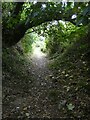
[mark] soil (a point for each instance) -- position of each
(30, 101)
(38, 94)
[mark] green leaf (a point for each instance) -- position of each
(70, 106)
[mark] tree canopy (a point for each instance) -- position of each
(21, 16)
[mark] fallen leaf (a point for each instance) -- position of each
(27, 114)
(25, 108)
(70, 106)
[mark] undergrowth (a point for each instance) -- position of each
(71, 71)
(72, 66)
(15, 65)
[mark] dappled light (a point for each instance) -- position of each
(37, 47)
(38, 53)
(46, 60)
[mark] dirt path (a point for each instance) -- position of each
(41, 86)
(26, 99)
(40, 94)
(40, 69)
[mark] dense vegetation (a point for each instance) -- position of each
(66, 30)
(19, 17)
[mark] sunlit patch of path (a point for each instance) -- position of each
(40, 65)
(41, 85)
(36, 103)
(37, 53)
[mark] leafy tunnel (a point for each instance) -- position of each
(21, 16)
(45, 60)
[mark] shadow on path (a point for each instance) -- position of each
(30, 99)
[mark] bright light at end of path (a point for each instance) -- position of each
(37, 53)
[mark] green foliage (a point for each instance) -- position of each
(26, 11)
(14, 68)
(27, 42)
(7, 8)
(12, 60)
(70, 106)
(9, 20)
(62, 35)
(73, 66)
(19, 17)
